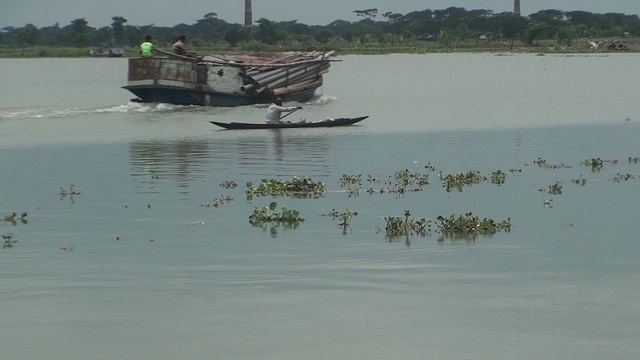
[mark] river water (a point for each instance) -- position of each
(157, 272)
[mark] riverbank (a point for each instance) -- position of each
(579, 46)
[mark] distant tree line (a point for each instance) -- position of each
(448, 26)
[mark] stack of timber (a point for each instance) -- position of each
(227, 80)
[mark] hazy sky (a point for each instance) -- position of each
(98, 13)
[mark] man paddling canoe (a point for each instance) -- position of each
(275, 110)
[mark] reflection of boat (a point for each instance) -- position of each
(105, 50)
(230, 80)
(285, 125)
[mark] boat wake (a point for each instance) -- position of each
(131, 107)
(323, 100)
(320, 100)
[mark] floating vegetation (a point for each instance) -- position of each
(457, 181)
(344, 217)
(547, 203)
(372, 179)
(219, 201)
(595, 164)
(542, 163)
(430, 167)
(634, 160)
(400, 182)
(299, 187)
(555, 189)
(355, 192)
(9, 241)
(397, 226)
(14, 218)
(70, 193)
(228, 184)
(405, 178)
(347, 180)
(469, 226)
(579, 181)
(263, 216)
(624, 177)
(515, 171)
(498, 177)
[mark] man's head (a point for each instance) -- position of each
(182, 38)
(278, 101)
(148, 38)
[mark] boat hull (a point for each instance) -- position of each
(295, 125)
(182, 96)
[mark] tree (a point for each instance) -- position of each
(324, 36)
(211, 15)
(535, 31)
(392, 17)
(234, 35)
(80, 32)
(118, 28)
(507, 24)
(28, 36)
(367, 14)
(268, 32)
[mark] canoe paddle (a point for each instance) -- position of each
(290, 112)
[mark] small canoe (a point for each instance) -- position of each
(292, 125)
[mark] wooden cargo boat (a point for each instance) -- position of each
(231, 80)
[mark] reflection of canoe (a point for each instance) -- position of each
(302, 124)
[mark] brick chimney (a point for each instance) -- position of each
(248, 15)
(516, 7)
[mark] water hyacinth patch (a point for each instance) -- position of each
(300, 187)
(263, 216)
(344, 217)
(469, 226)
(396, 226)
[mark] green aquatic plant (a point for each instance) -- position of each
(596, 164)
(430, 167)
(634, 160)
(344, 217)
(347, 180)
(263, 216)
(405, 178)
(469, 226)
(401, 182)
(299, 187)
(396, 226)
(542, 163)
(555, 189)
(457, 181)
(70, 193)
(9, 241)
(225, 199)
(498, 177)
(579, 181)
(229, 184)
(13, 217)
(624, 177)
